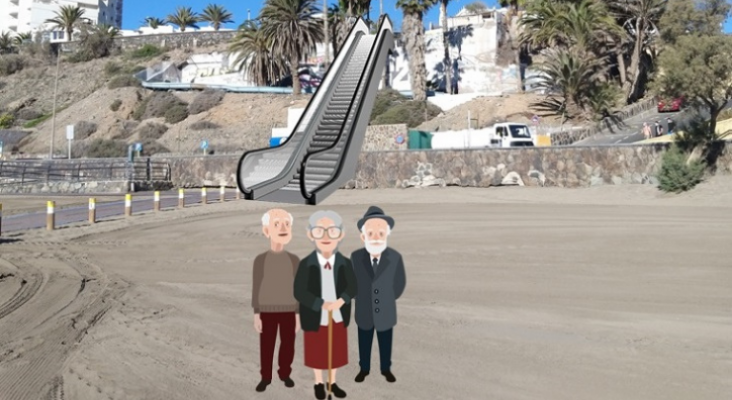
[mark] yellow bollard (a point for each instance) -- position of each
(50, 215)
(92, 210)
(181, 198)
(156, 199)
(222, 194)
(203, 196)
(128, 205)
(238, 194)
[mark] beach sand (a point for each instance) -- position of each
(613, 292)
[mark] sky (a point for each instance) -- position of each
(135, 11)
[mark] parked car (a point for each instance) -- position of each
(672, 105)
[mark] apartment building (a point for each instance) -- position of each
(20, 16)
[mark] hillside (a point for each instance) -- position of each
(233, 123)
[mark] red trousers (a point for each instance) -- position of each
(271, 322)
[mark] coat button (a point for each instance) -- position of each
(376, 291)
(376, 301)
(377, 310)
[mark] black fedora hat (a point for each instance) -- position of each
(375, 212)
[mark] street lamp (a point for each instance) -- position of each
(55, 93)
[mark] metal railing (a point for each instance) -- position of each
(83, 170)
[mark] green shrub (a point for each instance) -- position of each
(7, 121)
(11, 63)
(150, 147)
(676, 175)
(106, 148)
(203, 125)
(123, 81)
(28, 114)
(116, 104)
(412, 113)
(176, 114)
(125, 129)
(157, 105)
(205, 101)
(385, 99)
(112, 68)
(152, 131)
(84, 129)
(146, 51)
(35, 122)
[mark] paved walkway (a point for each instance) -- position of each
(74, 214)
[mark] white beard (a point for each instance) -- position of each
(375, 246)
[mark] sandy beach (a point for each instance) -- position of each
(611, 292)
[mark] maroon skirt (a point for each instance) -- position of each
(316, 347)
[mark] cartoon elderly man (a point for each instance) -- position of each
(325, 282)
(381, 281)
(275, 307)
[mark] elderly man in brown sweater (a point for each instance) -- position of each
(273, 300)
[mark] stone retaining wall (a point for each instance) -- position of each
(66, 187)
(168, 40)
(539, 166)
(383, 137)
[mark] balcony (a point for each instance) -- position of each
(14, 14)
(15, 2)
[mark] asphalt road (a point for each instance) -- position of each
(75, 214)
(631, 130)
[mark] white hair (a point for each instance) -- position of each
(265, 219)
(331, 215)
(388, 230)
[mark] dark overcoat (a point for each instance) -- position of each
(377, 293)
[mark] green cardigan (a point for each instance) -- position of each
(308, 289)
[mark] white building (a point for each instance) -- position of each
(21, 16)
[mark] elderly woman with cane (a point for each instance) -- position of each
(324, 286)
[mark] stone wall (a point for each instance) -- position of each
(383, 137)
(169, 40)
(539, 166)
(66, 187)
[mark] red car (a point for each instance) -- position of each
(670, 106)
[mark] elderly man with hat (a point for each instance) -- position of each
(381, 280)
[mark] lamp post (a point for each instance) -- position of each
(55, 93)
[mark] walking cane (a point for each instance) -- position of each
(330, 352)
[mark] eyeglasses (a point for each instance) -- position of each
(318, 232)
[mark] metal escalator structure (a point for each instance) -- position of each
(322, 152)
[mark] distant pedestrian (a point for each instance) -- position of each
(659, 128)
(646, 130)
(671, 126)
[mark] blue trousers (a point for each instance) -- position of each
(366, 339)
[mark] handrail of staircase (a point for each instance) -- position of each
(384, 25)
(328, 83)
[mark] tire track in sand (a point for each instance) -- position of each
(35, 359)
(32, 280)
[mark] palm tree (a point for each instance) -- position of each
(216, 15)
(254, 56)
(183, 18)
(154, 22)
(446, 44)
(294, 31)
(336, 18)
(22, 37)
(639, 18)
(413, 33)
(6, 43)
(66, 18)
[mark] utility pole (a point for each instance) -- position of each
(55, 93)
(249, 15)
(326, 43)
(381, 8)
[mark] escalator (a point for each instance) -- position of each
(322, 152)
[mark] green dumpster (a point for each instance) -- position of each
(419, 140)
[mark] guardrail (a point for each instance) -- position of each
(18, 172)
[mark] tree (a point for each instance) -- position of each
(699, 68)
(95, 41)
(294, 31)
(447, 64)
(476, 7)
(7, 45)
(183, 18)
(20, 38)
(413, 34)
(216, 15)
(154, 22)
(67, 17)
(255, 57)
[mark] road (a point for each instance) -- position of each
(75, 214)
(631, 131)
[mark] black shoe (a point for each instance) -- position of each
(337, 392)
(288, 382)
(389, 376)
(361, 376)
(320, 391)
(263, 385)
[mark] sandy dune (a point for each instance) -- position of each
(512, 293)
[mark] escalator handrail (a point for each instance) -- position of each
(289, 165)
(371, 63)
